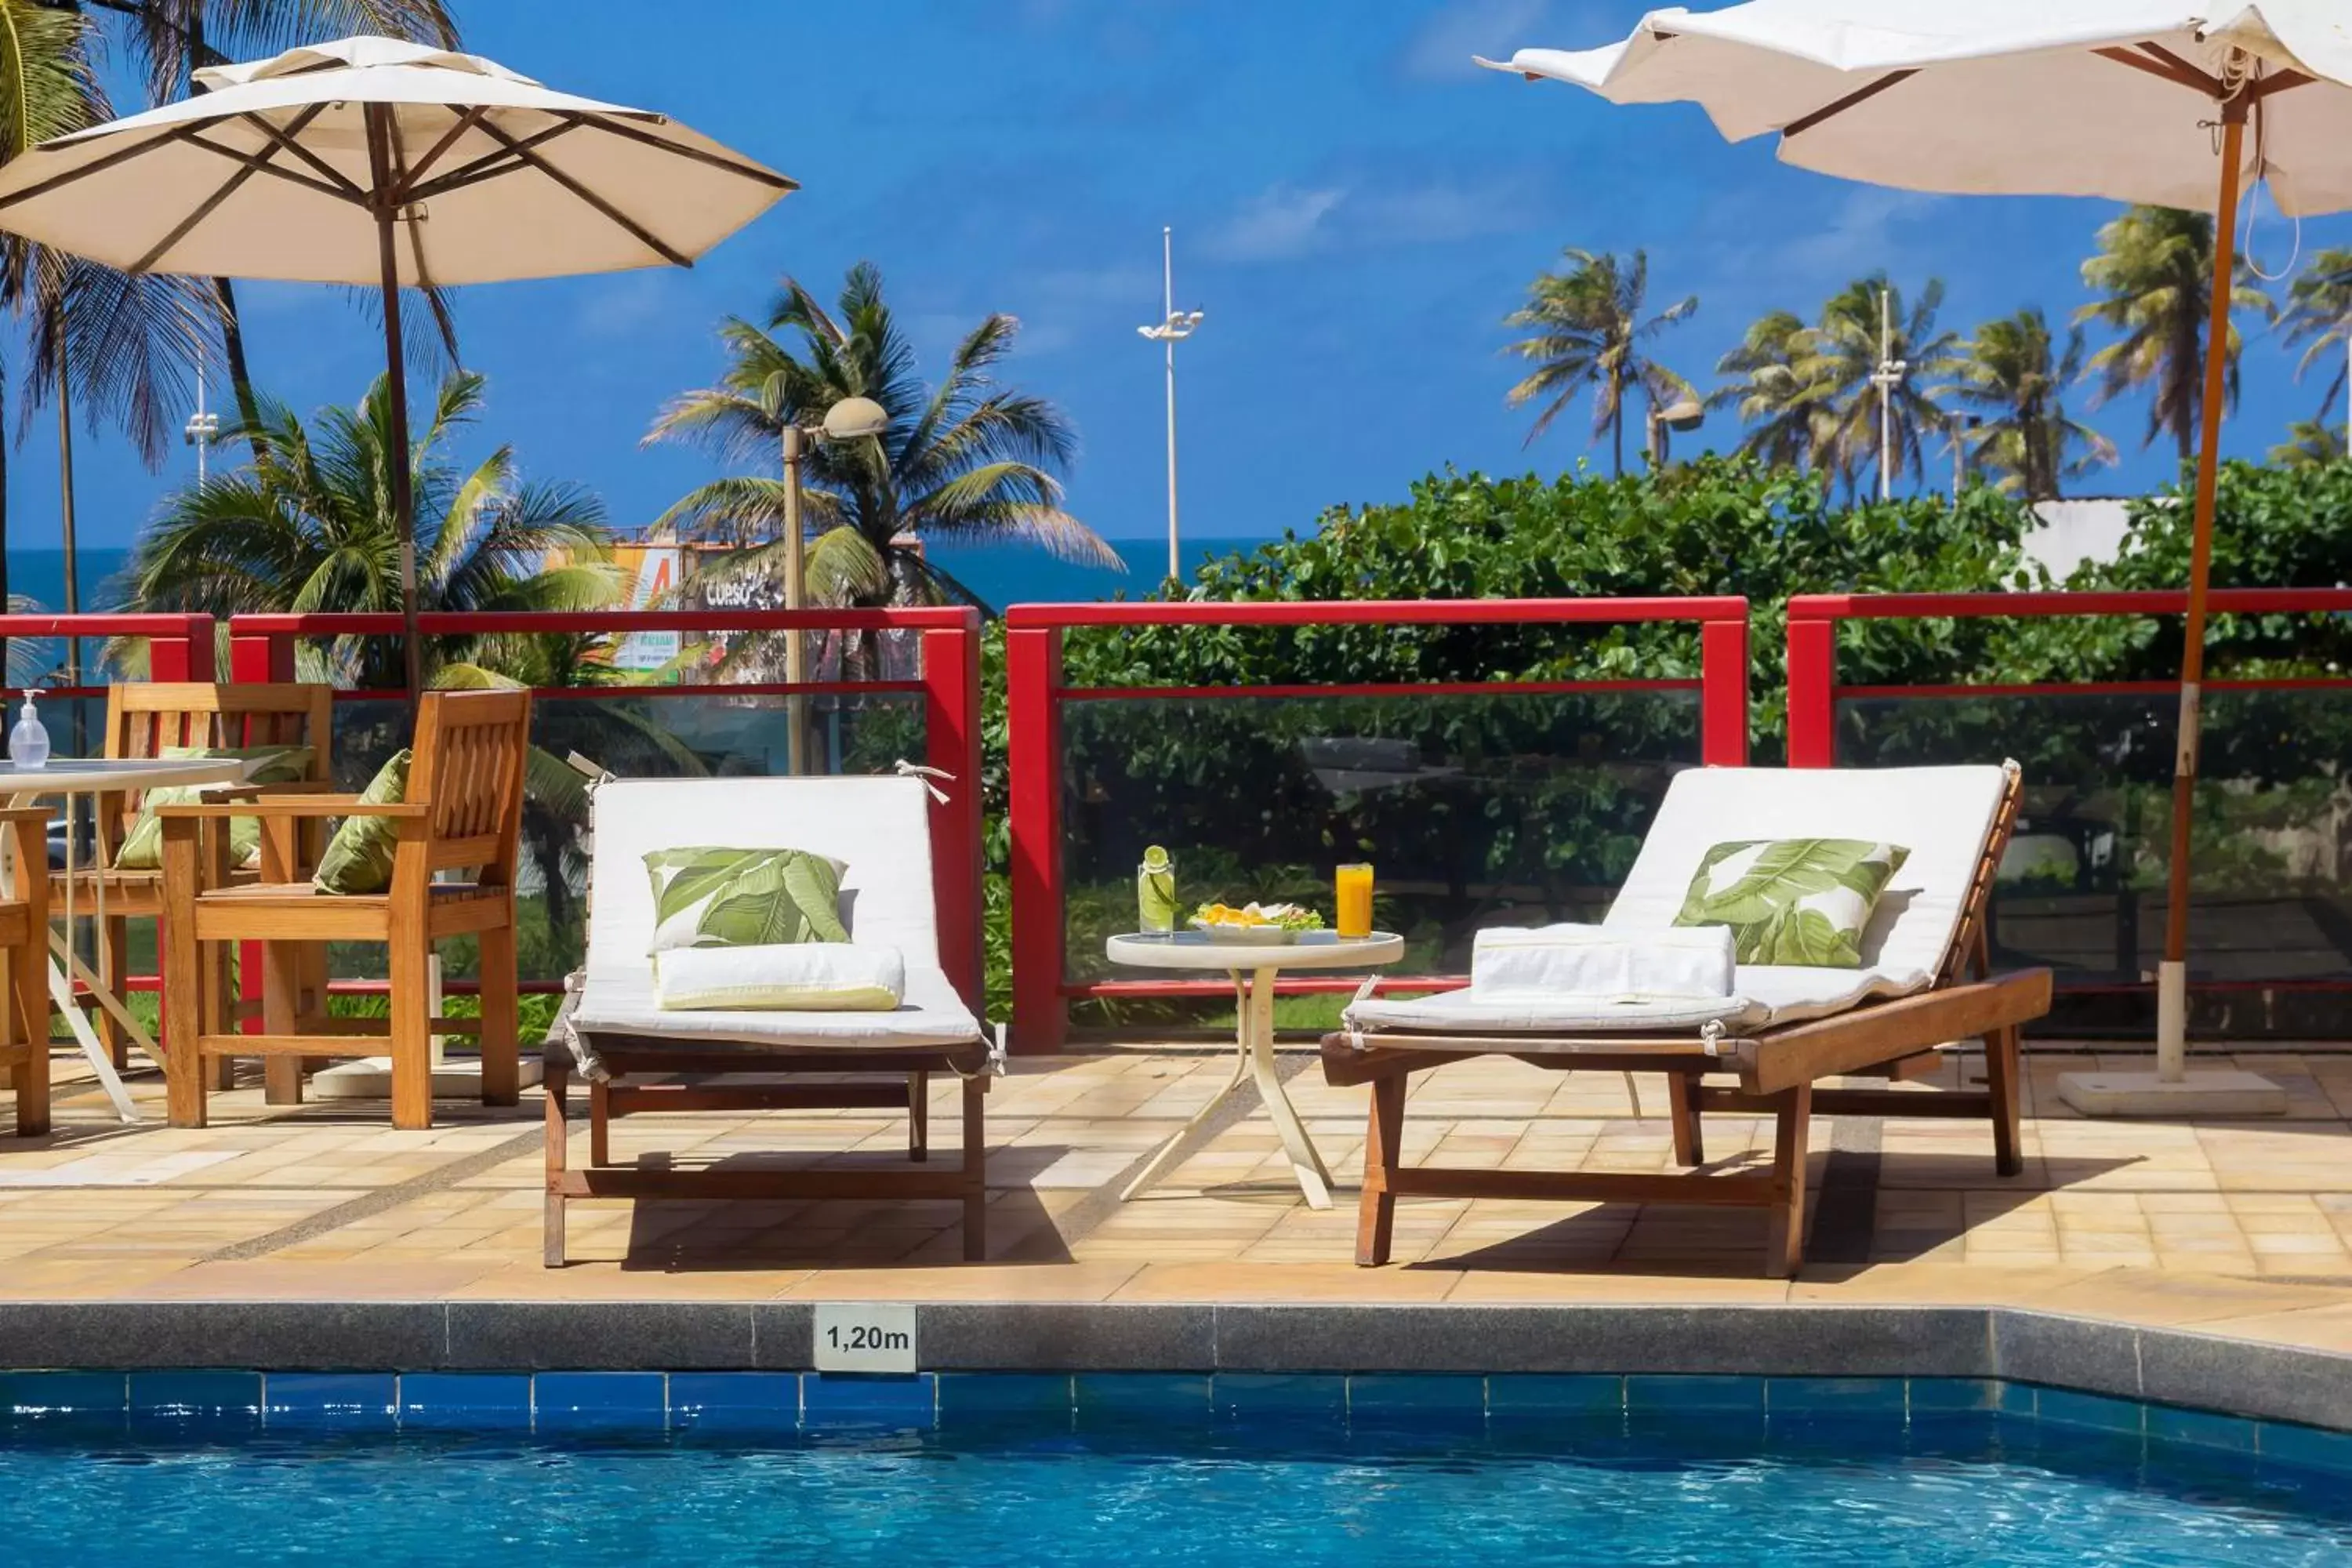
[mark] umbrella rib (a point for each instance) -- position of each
(248, 165)
(305, 181)
(285, 139)
(768, 177)
(643, 235)
(465, 122)
(96, 166)
(490, 165)
(2164, 66)
(1804, 123)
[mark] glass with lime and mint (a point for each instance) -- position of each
(1155, 893)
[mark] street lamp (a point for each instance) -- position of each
(202, 428)
(1685, 415)
(851, 419)
(1963, 430)
(1173, 328)
(1886, 378)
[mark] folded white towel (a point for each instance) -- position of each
(803, 976)
(1681, 962)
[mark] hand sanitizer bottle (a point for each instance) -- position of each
(28, 742)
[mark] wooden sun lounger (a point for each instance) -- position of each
(1778, 1069)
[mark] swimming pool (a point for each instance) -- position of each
(1049, 1470)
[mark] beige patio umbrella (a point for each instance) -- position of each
(378, 163)
(2172, 102)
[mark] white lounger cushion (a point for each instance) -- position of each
(799, 976)
(879, 827)
(1942, 815)
(1689, 964)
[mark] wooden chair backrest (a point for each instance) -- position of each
(471, 749)
(146, 717)
(1971, 943)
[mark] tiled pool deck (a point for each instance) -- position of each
(2236, 1232)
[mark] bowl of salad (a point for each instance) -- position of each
(1256, 925)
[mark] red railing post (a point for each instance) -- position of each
(258, 657)
(185, 653)
(1723, 693)
(1032, 680)
(952, 744)
(1812, 689)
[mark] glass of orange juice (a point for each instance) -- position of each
(1352, 894)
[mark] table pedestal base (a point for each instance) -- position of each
(1254, 1060)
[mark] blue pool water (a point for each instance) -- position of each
(1029, 1493)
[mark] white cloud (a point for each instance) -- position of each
(1281, 221)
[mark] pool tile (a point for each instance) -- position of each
(465, 1399)
(1244, 1396)
(1841, 1396)
(339, 1398)
(1154, 1398)
(1952, 1395)
(562, 1400)
(2203, 1429)
(198, 1393)
(2305, 1448)
(735, 1401)
(1644, 1392)
(40, 1393)
(2066, 1407)
(1417, 1402)
(1538, 1393)
(2020, 1399)
(846, 1400)
(1004, 1393)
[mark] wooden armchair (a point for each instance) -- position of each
(142, 720)
(25, 939)
(463, 813)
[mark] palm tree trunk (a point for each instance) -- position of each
(240, 377)
(1617, 435)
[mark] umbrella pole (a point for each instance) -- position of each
(2172, 976)
(384, 198)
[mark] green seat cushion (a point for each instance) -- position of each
(142, 847)
(1792, 900)
(704, 896)
(359, 857)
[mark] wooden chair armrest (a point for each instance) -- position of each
(292, 805)
(33, 814)
(212, 793)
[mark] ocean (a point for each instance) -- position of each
(1000, 577)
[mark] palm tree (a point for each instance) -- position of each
(2155, 266)
(2027, 439)
(1839, 359)
(307, 524)
(1785, 414)
(165, 42)
(968, 461)
(2319, 315)
(1588, 330)
(2310, 444)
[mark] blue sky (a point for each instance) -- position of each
(1355, 208)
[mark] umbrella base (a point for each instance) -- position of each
(2227, 1092)
(371, 1078)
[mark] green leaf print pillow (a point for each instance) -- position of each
(709, 897)
(1792, 900)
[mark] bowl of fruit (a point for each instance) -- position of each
(1256, 925)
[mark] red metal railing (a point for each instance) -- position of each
(262, 647)
(1035, 693)
(1814, 691)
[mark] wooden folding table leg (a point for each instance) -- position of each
(551, 1228)
(113, 963)
(975, 1168)
(918, 1116)
(1784, 1246)
(281, 980)
(1682, 1108)
(2003, 1067)
(1383, 1142)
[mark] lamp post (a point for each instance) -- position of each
(1683, 414)
(1962, 428)
(1173, 328)
(203, 429)
(1886, 378)
(851, 419)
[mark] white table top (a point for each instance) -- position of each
(1313, 949)
(83, 775)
